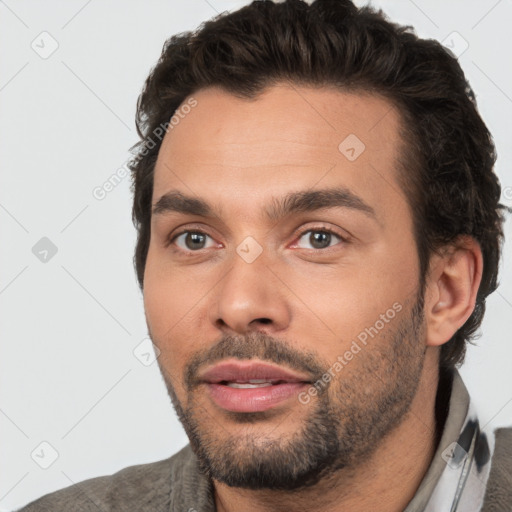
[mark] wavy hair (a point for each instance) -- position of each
(448, 156)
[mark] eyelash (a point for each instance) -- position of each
(322, 229)
(297, 236)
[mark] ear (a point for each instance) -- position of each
(451, 288)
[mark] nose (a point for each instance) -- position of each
(250, 297)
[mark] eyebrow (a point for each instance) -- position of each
(293, 202)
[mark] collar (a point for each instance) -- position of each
(457, 476)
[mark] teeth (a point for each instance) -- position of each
(251, 384)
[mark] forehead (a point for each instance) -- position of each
(287, 137)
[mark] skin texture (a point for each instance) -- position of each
(366, 441)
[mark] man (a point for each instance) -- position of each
(318, 229)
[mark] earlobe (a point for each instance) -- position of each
(452, 286)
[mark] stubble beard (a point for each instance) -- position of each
(345, 425)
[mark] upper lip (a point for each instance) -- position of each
(243, 371)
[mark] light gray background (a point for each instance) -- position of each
(68, 375)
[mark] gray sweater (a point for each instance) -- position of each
(477, 476)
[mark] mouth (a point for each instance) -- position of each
(250, 386)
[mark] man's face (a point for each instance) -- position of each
(266, 279)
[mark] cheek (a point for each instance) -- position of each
(171, 295)
(175, 303)
(166, 306)
(338, 303)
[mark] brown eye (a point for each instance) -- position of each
(318, 239)
(192, 240)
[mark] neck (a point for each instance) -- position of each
(387, 481)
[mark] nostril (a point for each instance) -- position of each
(264, 320)
(221, 323)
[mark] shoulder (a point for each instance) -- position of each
(143, 487)
(498, 494)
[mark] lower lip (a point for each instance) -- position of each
(253, 399)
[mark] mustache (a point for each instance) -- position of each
(254, 346)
